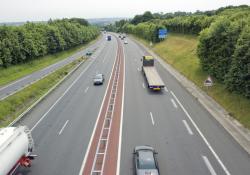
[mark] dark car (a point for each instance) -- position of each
(98, 79)
(145, 161)
(88, 53)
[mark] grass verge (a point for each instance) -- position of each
(14, 105)
(180, 51)
(15, 72)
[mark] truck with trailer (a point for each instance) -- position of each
(153, 79)
(16, 146)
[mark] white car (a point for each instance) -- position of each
(125, 42)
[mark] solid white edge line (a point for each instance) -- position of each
(202, 136)
(4, 87)
(65, 124)
(121, 122)
(65, 92)
(152, 118)
(42, 97)
(97, 119)
(187, 127)
(173, 102)
(209, 166)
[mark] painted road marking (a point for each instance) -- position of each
(65, 124)
(111, 111)
(65, 92)
(86, 90)
(166, 89)
(14, 82)
(187, 127)
(174, 104)
(202, 136)
(138, 69)
(97, 120)
(121, 122)
(209, 166)
(143, 85)
(152, 118)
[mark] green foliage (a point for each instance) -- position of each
(224, 49)
(188, 24)
(238, 78)
(147, 16)
(14, 105)
(148, 30)
(21, 44)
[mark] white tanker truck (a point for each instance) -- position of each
(16, 145)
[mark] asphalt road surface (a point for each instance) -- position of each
(189, 141)
(19, 84)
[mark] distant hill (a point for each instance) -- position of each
(19, 23)
(93, 21)
(103, 21)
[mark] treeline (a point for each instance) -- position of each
(148, 31)
(19, 44)
(224, 50)
(188, 24)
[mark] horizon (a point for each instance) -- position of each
(26, 10)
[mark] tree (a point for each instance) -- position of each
(238, 78)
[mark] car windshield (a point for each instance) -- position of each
(98, 76)
(146, 160)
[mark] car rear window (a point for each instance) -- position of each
(146, 160)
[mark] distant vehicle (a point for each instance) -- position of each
(125, 42)
(89, 53)
(119, 36)
(16, 145)
(109, 37)
(98, 79)
(153, 79)
(145, 162)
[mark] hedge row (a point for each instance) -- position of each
(224, 51)
(148, 30)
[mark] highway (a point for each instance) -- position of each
(25, 81)
(189, 141)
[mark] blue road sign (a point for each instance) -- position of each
(162, 33)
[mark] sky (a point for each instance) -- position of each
(42, 10)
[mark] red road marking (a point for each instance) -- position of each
(103, 152)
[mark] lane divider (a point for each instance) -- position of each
(187, 127)
(209, 166)
(202, 136)
(152, 118)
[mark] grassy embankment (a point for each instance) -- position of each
(15, 72)
(14, 105)
(180, 52)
